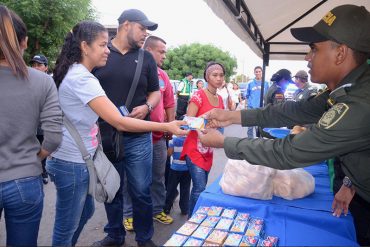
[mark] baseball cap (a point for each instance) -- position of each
(40, 59)
(301, 74)
(135, 15)
(345, 24)
(282, 74)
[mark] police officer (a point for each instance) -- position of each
(280, 80)
(183, 95)
(340, 46)
(304, 91)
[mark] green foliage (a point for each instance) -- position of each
(48, 22)
(242, 78)
(194, 57)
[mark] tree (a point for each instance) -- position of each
(242, 78)
(194, 57)
(48, 22)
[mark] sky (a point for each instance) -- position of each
(189, 21)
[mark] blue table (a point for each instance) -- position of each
(306, 221)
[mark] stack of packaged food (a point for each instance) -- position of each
(215, 226)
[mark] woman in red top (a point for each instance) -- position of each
(199, 158)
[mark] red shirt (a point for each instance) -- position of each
(167, 101)
(200, 155)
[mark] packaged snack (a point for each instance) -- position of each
(215, 211)
(242, 216)
(239, 226)
(224, 224)
(193, 242)
(176, 240)
(202, 232)
(197, 218)
(268, 241)
(233, 239)
(210, 221)
(187, 229)
(195, 123)
(249, 241)
(217, 237)
(256, 221)
(255, 230)
(209, 244)
(229, 213)
(202, 210)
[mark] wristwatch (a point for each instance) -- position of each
(150, 107)
(347, 182)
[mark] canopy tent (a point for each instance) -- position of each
(264, 25)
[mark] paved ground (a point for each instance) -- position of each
(93, 230)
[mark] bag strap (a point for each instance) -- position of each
(76, 136)
(136, 78)
(85, 154)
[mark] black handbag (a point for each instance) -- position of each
(112, 139)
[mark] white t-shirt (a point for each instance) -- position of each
(224, 95)
(77, 89)
(235, 95)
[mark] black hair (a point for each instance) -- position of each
(19, 26)
(151, 40)
(71, 52)
(210, 64)
(258, 67)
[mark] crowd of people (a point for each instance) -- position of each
(93, 78)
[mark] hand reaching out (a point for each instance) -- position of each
(342, 199)
(211, 138)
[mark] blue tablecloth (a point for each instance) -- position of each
(307, 221)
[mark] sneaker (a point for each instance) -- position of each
(163, 218)
(108, 241)
(128, 224)
(148, 243)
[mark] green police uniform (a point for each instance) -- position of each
(304, 93)
(342, 129)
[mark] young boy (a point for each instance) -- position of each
(178, 174)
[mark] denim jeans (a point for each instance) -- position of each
(74, 207)
(252, 132)
(22, 201)
(199, 177)
(137, 164)
(158, 189)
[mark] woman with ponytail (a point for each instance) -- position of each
(27, 98)
(83, 101)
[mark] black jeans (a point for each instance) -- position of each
(182, 105)
(174, 178)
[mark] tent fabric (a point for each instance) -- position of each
(271, 16)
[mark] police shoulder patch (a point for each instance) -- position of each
(333, 115)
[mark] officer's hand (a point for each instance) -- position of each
(297, 129)
(139, 112)
(221, 118)
(342, 199)
(211, 138)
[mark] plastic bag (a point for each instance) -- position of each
(240, 178)
(293, 184)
